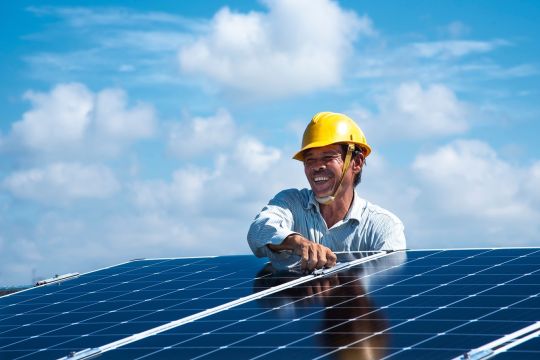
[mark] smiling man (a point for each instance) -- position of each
(307, 226)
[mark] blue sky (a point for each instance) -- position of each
(159, 129)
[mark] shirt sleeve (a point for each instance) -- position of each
(392, 235)
(271, 226)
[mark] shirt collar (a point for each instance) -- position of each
(355, 211)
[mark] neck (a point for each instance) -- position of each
(337, 209)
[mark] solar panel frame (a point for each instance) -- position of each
(464, 284)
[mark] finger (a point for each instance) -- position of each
(322, 260)
(312, 262)
(305, 258)
(331, 259)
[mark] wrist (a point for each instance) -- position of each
(289, 243)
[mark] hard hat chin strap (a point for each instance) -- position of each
(325, 200)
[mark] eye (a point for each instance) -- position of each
(329, 158)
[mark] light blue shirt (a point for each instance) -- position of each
(366, 227)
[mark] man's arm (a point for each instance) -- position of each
(272, 233)
(313, 256)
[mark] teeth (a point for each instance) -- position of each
(320, 178)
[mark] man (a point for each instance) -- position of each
(307, 226)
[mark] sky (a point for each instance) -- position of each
(160, 128)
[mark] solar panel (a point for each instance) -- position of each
(117, 302)
(436, 304)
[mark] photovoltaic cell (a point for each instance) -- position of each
(429, 304)
(110, 304)
(424, 305)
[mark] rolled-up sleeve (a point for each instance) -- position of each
(272, 225)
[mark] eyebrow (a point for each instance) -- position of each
(331, 152)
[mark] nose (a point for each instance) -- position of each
(316, 164)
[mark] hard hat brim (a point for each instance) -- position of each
(300, 154)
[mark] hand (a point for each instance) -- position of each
(313, 255)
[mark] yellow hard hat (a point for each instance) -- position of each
(328, 128)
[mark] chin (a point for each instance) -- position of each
(320, 195)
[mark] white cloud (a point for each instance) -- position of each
(296, 47)
(412, 111)
(72, 118)
(532, 183)
(455, 48)
(185, 189)
(475, 197)
(60, 183)
(60, 118)
(202, 136)
(236, 172)
(255, 156)
(475, 165)
(462, 194)
(114, 120)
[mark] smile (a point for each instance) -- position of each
(320, 178)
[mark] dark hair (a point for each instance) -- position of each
(357, 151)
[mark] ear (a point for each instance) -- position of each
(357, 163)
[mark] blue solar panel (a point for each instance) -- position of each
(430, 304)
(116, 302)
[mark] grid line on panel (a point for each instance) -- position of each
(393, 290)
(287, 284)
(270, 329)
(449, 304)
(98, 315)
(79, 285)
(232, 344)
(128, 270)
(83, 294)
(428, 290)
(480, 292)
(123, 307)
(366, 314)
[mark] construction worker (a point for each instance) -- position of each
(305, 227)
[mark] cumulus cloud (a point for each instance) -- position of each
(185, 189)
(474, 195)
(295, 47)
(255, 156)
(532, 183)
(476, 165)
(114, 120)
(239, 170)
(71, 117)
(461, 194)
(60, 183)
(201, 136)
(59, 118)
(413, 111)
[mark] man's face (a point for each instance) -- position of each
(323, 167)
